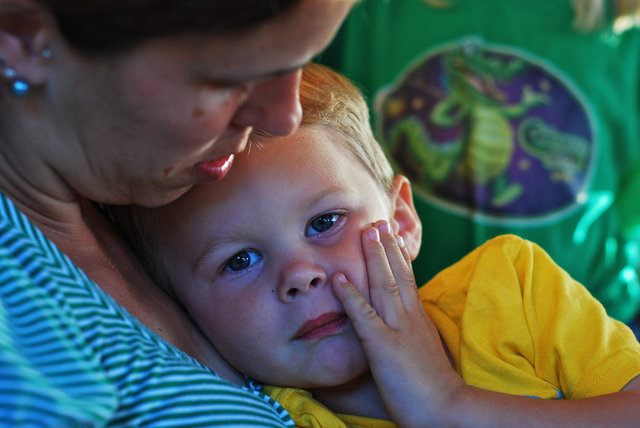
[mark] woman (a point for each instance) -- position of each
(127, 102)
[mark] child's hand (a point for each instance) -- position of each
(403, 347)
(411, 369)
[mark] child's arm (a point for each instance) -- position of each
(415, 378)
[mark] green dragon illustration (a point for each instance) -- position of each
(475, 104)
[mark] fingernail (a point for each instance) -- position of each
(373, 234)
(385, 227)
(400, 241)
(341, 278)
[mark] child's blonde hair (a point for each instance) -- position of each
(329, 99)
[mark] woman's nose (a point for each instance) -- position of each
(298, 279)
(273, 105)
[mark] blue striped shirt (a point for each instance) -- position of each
(71, 356)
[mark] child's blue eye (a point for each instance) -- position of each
(322, 224)
(243, 260)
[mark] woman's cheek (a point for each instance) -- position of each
(218, 108)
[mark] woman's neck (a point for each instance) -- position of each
(359, 397)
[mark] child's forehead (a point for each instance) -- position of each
(318, 141)
(310, 145)
(314, 158)
(294, 169)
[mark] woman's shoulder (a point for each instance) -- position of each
(71, 353)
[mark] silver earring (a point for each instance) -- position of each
(20, 88)
(9, 73)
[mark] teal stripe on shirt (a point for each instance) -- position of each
(69, 355)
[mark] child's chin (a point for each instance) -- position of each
(344, 371)
(342, 382)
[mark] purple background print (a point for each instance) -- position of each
(545, 187)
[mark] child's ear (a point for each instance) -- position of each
(405, 220)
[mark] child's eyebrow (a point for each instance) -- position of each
(325, 194)
(220, 241)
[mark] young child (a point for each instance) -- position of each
(267, 268)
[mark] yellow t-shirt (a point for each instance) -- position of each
(514, 322)
(309, 413)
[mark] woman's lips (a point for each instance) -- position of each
(215, 169)
(321, 326)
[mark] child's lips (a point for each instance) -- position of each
(215, 169)
(321, 326)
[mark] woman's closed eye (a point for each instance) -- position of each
(322, 223)
(242, 260)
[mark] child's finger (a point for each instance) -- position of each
(400, 265)
(383, 289)
(366, 322)
(405, 252)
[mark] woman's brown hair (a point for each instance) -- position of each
(105, 26)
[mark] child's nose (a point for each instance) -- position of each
(299, 278)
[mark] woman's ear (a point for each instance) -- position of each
(405, 220)
(25, 26)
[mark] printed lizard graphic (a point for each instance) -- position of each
(474, 103)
